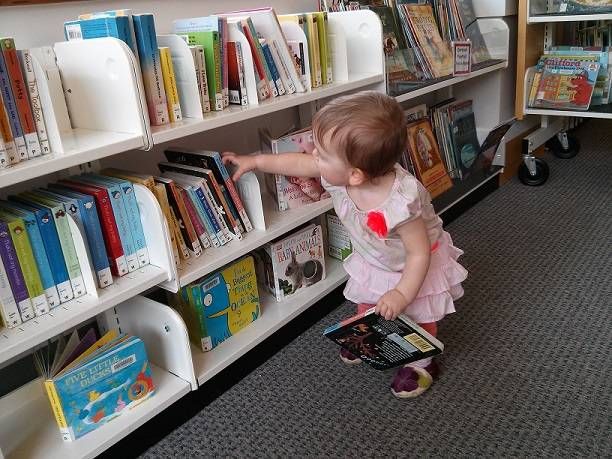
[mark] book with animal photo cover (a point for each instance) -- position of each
(382, 343)
(426, 159)
(292, 263)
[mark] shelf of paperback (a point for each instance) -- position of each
(80, 146)
(548, 18)
(597, 111)
(235, 114)
(277, 224)
(273, 316)
(15, 341)
(29, 430)
(427, 87)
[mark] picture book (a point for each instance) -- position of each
(384, 343)
(294, 262)
(292, 192)
(220, 305)
(339, 243)
(90, 383)
(426, 159)
(463, 136)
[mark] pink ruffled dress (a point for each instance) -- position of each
(378, 257)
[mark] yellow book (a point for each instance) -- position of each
(172, 96)
(324, 51)
(313, 50)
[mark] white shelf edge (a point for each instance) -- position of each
(29, 429)
(548, 18)
(273, 316)
(82, 146)
(235, 114)
(277, 224)
(450, 82)
(592, 113)
(16, 341)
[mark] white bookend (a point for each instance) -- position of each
(250, 193)
(185, 72)
(85, 264)
(249, 67)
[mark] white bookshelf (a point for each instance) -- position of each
(274, 315)
(552, 18)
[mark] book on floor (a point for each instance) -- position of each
(384, 343)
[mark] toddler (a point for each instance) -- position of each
(402, 260)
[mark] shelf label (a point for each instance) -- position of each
(462, 58)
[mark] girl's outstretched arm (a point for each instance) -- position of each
(290, 164)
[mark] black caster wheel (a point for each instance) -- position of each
(540, 176)
(557, 149)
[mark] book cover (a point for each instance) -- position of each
(567, 84)
(293, 262)
(190, 200)
(161, 193)
(314, 52)
(338, 238)
(222, 304)
(12, 112)
(292, 192)
(426, 159)
(172, 95)
(384, 343)
(464, 137)
(98, 27)
(236, 78)
(117, 13)
(37, 111)
(197, 51)
(279, 87)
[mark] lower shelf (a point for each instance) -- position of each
(462, 188)
(273, 316)
(28, 428)
(597, 111)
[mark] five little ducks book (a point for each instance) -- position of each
(91, 382)
(384, 343)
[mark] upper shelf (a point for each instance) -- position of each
(547, 18)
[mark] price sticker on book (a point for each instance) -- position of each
(462, 58)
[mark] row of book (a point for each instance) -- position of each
(40, 266)
(283, 62)
(570, 6)
(23, 133)
(91, 381)
(572, 78)
(417, 34)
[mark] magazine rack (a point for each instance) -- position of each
(537, 29)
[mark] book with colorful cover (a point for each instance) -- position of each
(464, 138)
(95, 383)
(294, 262)
(220, 305)
(172, 95)
(338, 238)
(12, 112)
(382, 343)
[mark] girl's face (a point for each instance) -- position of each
(333, 167)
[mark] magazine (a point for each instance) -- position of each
(384, 343)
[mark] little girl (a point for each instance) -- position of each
(402, 261)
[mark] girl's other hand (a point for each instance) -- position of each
(391, 304)
(242, 163)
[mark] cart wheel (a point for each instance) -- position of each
(540, 176)
(555, 145)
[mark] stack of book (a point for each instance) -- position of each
(39, 261)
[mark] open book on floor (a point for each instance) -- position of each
(384, 343)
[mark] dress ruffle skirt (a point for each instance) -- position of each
(442, 285)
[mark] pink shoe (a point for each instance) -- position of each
(348, 358)
(410, 382)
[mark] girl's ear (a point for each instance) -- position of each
(356, 177)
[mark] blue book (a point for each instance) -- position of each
(116, 27)
(276, 78)
(82, 208)
(38, 249)
(11, 110)
(204, 216)
(133, 214)
(53, 248)
(116, 198)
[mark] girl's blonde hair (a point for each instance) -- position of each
(368, 128)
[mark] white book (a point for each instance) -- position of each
(283, 70)
(200, 66)
(4, 159)
(37, 112)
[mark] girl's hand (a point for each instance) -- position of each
(391, 304)
(243, 163)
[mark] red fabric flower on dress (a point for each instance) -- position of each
(376, 222)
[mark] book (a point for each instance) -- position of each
(11, 154)
(324, 48)
(220, 305)
(35, 104)
(172, 95)
(237, 84)
(294, 262)
(117, 13)
(464, 138)
(95, 382)
(339, 243)
(197, 52)
(9, 312)
(98, 27)
(384, 344)
(292, 192)
(426, 159)
(12, 111)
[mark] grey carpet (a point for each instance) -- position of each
(527, 366)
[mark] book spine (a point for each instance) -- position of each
(264, 89)
(244, 98)
(37, 112)
(200, 62)
(58, 411)
(223, 40)
(198, 199)
(213, 227)
(274, 71)
(326, 58)
(191, 239)
(144, 28)
(224, 208)
(172, 96)
(25, 257)
(260, 53)
(15, 275)
(6, 133)
(297, 48)
(182, 244)
(229, 183)
(197, 222)
(9, 312)
(4, 158)
(282, 66)
(216, 49)
(217, 211)
(11, 112)
(125, 234)
(20, 93)
(159, 190)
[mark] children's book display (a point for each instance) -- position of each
(90, 382)
(384, 343)
(219, 305)
(297, 261)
